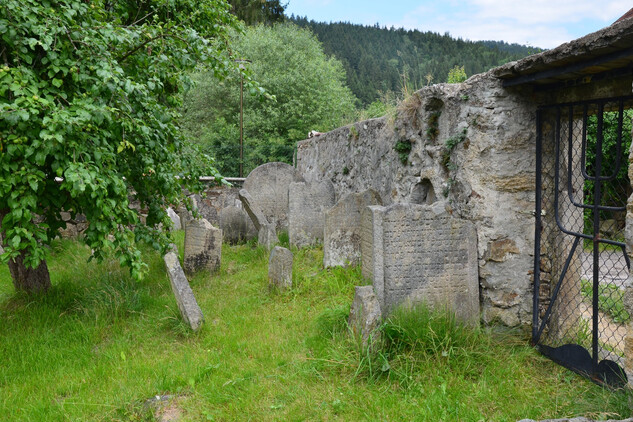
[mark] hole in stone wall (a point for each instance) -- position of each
(423, 193)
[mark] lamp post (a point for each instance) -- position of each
(242, 63)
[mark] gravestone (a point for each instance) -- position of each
(266, 233)
(175, 219)
(187, 304)
(365, 315)
(203, 246)
(307, 204)
(419, 253)
(236, 225)
(268, 184)
(341, 243)
(280, 268)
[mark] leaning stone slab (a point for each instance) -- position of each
(280, 268)
(236, 225)
(365, 315)
(341, 243)
(175, 219)
(268, 184)
(419, 253)
(203, 247)
(307, 204)
(187, 304)
(252, 209)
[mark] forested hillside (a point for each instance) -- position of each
(376, 59)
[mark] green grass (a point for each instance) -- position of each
(99, 345)
(610, 300)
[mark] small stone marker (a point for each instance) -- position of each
(419, 253)
(203, 246)
(280, 268)
(365, 315)
(268, 184)
(267, 236)
(306, 211)
(341, 243)
(236, 225)
(175, 219)
(189, 309)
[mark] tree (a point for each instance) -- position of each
(89, 92)
(258, 11)
(456, 75)
(290, 64)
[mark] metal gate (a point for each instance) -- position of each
(580, 261)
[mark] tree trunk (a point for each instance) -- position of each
(29, 280)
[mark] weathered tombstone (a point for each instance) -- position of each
(341, 243)
(187, 304)
(203, 246)
(236, 225)
(266, 233)
(307, 203)
(365, 315)
(419, 253)
(268, 184)
(280, 268)
(175, 219)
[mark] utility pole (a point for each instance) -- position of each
(242, 63)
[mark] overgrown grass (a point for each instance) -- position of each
(99, 345)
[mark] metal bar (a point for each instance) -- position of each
(596, 237)
(537, 228)
(548, 312)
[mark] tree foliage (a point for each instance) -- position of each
(376, 59)
(290, 64)
(88, 95)
(258, 11)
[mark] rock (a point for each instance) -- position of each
(419, 253)
(268, 184)
(306, 211)
(365, 315)
(236, 225)
(187, 304)
(280, 268)
(500, 249)
(203, 247)
(341, 243)
(175, 219)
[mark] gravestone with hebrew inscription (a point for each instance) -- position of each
(203, 247)
(268, 185)
(420, 253)
(307, 204)
(341, 243)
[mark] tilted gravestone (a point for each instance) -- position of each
(268, 184)
(365, 315)
(236, 225)
(203, 246)
(266, 233)
(307, 204)
(419, 253)
(280, 268)
(187, 304)
(175, 219)
(341, 243)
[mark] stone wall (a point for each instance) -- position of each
(472, 144)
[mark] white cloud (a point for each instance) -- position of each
(541, 23)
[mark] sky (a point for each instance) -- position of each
(538, 23)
